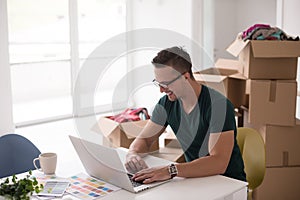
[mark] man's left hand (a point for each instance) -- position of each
(152, 174)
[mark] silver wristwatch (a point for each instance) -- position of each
(172, 170)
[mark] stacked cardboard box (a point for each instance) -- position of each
(226, 78)
(271, 68)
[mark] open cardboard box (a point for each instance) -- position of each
(267, 59)
(273, 102)
(226, 78)
(121, 134)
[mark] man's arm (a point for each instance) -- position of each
(220, 149)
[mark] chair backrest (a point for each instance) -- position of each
(16, 154)
(252, 148)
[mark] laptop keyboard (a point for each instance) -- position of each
(134, 183)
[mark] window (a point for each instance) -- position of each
(50, 41)
(98, 22)
(40, 52)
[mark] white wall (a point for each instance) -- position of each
(160, 14)
(6, 120)
(223, 21)
(291, 25)
(234, 16)
(225, 26)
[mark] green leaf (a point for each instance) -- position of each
(20, 189)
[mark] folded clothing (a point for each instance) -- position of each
(131, 114)
(266, 32)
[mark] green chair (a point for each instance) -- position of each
(252, 148)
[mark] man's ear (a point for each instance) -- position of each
(187, 75)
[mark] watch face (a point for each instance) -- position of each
(173, 170)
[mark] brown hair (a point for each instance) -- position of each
(175, 57)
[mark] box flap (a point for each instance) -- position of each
(105, 126)
(248, 85)
(229, 64)
(133, 129)
(218, 71)
(209, 78)
(238, 76)
(237, 46)
(272, 49)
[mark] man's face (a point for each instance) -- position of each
(169, 81)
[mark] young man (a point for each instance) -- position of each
(202, 119)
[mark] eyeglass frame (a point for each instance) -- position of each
(166, 84)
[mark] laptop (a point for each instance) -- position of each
(107, 164)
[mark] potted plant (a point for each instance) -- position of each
(19, 189)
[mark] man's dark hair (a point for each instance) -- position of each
(175, 57)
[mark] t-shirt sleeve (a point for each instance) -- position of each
(221, 116)
(159, 114)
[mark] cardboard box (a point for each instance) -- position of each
(230, 64)
(281, 143)
(170, 140)
(273, 102)
(226, 79)
(279, 184)
(171, 154)
(121, 134)
(256, 126)
(265, 59)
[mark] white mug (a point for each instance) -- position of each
(47, 162)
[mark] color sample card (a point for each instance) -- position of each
(86, 187)
(42, 178)
(54, 188)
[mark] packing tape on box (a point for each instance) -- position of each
(272, 96)
(285, 158)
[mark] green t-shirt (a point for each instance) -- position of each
(214, 114)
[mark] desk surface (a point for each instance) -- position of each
(207, 188)
(213, 187)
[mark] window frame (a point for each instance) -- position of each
(74, 60)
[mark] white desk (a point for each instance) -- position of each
(207, 188)
(214, 187)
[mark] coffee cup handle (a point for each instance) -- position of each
(34, 163)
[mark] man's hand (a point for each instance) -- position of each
(152, 174)
(134, 163)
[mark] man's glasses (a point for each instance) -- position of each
(166, 84)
